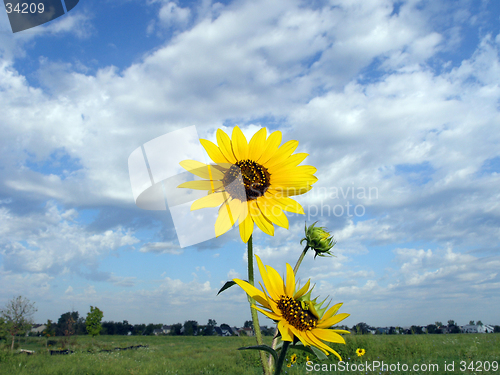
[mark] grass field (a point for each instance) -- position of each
(219, 355)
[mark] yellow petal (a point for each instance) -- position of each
(300, 335)
(272, 212)
(296, 179)
(282, 154)
(290, 281)
(286, 334)
(202, 170)
(271, 147)
(286, 204)
(302, 290)
(224, 143)
(276, 281)
(246, 228)
(263, 223)
(213, 151)
(332, 310)
(252, 291)
(328, 335)
(288, 192)
(291, 162)
(273, 292)
(317, 343)
(228, 214)
(211, 200)
(239, 144)
(256, 144)
(328, 322)
(269, 314)
(301, 169)
(202, 185)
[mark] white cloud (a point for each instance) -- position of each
(354, 83)
(49, 241)
(161, 248)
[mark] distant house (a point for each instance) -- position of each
(38, 329)
(164, 330)
(224, 330)
(476, 328)
(247, 331)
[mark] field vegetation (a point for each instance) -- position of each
(192, 355)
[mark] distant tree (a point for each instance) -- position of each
(496, 329)
(93, 321)
(392, 331)
(471, 323)
(210, 328)
(138, 329)
(3, 328)
(416, 330)
(248, 324)
(479, 323)
(451, 323)
(18, 316)
(361, 328)
(438, 324)
(66, 320)
(190, 327)
(49, 331)
(150, 328)
(175, 329)
(267, 331)
(432, 328)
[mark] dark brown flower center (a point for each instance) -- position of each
(295, 315)
(246, 180)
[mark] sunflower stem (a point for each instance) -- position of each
(295, 270)
(299, 261)
(255, 317)
(281, 358)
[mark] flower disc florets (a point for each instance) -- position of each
(295, 314)
(246, 180)
(319, 239)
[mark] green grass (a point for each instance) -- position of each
(219, 355)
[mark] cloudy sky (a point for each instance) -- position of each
(396, 102)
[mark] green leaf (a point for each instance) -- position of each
(264, 348)
(310, 349)
(227, 285)
(322, 356)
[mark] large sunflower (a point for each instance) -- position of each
(298, 317)
(250, 181)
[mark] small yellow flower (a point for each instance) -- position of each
(293, 359)
(360, 352)
(307, 359)
(251, 182)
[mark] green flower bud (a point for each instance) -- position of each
(319, 239)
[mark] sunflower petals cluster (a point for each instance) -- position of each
(298, 316)
(252, 182)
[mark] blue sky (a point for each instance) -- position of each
(396, 99)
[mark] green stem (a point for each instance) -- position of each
(295, 270)
(281, 358)
(255, 317)
(299, 261)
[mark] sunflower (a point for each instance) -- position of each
(360, 352)
(298, 317)
(250, 181)
(293, 359)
